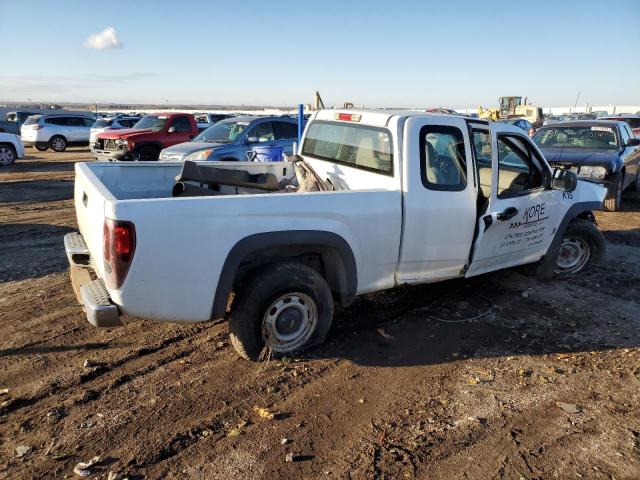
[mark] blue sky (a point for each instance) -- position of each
(455, 53)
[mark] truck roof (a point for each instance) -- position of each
(168, 114)
(381, 118)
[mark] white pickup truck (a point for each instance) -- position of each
(415, 198)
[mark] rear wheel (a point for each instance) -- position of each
(58, 143)
(636, 184)
(7, 155)
(582, 246)
(147, 154)
(613, 200)
(42, 148)
(285, 308)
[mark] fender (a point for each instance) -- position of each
(347, 280)
(547, 263)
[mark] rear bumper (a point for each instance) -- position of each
(91, 294)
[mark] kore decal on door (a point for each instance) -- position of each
(529, 229)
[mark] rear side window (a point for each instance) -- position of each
(88, 122)
(56, 120)
(364, 147)
(181, 124)
(285, 130)
(443, 164)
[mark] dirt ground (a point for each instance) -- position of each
(408, 386)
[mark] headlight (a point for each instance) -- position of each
(199, 155)
(597, 173)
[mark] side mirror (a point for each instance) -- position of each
(564, 180)
(171, 130)
(252, 140)
(633, 142)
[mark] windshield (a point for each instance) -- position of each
(594, 137)
(103, 122)
(222, 132)
(152, 122)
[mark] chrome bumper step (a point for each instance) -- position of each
(76, 249)
(99, 309)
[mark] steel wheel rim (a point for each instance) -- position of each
(289, 322)
(6, 156)
(58, 144)
(573, 255)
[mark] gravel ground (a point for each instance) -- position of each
(546, 385)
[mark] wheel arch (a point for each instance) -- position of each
(582, 210)
(154, 144)
(326, 252)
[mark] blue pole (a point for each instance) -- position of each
(300, 123)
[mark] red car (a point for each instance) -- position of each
(146, 139)
(632, 120)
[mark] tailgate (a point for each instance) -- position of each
(90, 196)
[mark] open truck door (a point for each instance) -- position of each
(518, 213)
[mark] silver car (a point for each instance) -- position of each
(57, 131)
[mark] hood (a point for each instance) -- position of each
(189, 147)
(574, 156)
(123, 133)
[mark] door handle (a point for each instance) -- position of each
(507, 213)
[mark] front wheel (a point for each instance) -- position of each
(582, 246)
(42, 148)
(285, 308)
(147, 154)
(613, 200)
(7, 155)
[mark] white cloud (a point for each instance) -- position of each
(105, 39)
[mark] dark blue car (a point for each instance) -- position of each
(234, 138)
(602, 151)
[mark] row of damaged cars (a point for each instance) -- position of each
(173, 137)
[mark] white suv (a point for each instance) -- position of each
(11, 147)
(57, 131)
(111, 123)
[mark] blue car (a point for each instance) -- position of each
(234, 139)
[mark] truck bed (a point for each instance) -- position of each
(131, 181)
(183, 242)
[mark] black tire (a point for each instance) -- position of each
(636, 184)
(147, 154)
(613, 200)
(265, 295)
(580, 235)
(7, 155)
(41, 148)
(58, 143)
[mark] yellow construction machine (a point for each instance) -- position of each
(510, 107)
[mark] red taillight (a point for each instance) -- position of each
(119, 245)
(347, 117)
